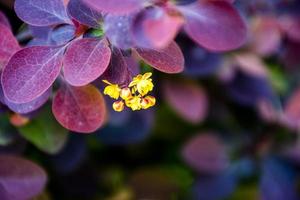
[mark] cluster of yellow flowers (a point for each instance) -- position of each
(134, 96)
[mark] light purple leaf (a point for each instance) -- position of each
(20, 179)
(8, 45)
(119, 7)
(117, 29)
(215, 25)
(206, 154)
(79, 109)
(41, 32)
(4, 20)
(85, 60)
(187, 99)
(168, 60)
(291, 114)
(118, 71)
(84, 14)
(62, 34)
(42, 12)
(30, 72)
(156, 27)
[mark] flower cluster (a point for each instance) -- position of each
(134, 96)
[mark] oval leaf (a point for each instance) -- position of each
(86, 60)
(188, 100)
(20, 178)
(116, 6)
(30, 72)
(45, 133)
(80, 109)
(168, 60)
(215, 25)
(8, 44)
(42, 12)
(4, 20)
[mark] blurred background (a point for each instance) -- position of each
(226, 128)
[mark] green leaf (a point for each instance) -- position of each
(45, 133)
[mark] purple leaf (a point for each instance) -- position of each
(119, 7)
(118, 71)
(8, 45)
(168, 60)
(30, 72)
(156, 27)
(42, 12)
(117, 29)
(62, 34)
(206, 154)
(187, 99)
(4, 21)
(291, 113)
(20, 179)
(215, 25)
(84, 14)
(25, 108)
(85, 60)
(79, 109)
(41, 32)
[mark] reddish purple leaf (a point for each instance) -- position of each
(84, 14)
(156, 27)
(42, 12)
(119, 7)
(118, 71)
(292, 110)
(215, 25)
(4, 20)
(30, 72)
(291, 25)
(169, 60)
(206, 154)
(8, 45)
(187, 99)
(20, 179)
(79, 109)
(85, 60)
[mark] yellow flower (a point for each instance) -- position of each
(118, 106)
(148, 102)
(125, 93)
(112, 90)
(134, 103)
(143, 83)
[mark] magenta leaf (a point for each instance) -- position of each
(215, 25)
(156, 27)
(206, 154)
(20, 179)
(30, 72)
(8, 45)
(79, 109)
(187, 99)
(4, 20)
(118, 71)
(117, 30)
(85, 60)
(42, 12)
(84, 14)
(119, 7)
(168, 60)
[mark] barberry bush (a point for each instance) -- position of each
(149, 99)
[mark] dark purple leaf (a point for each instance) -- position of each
(4, 21)
(188, 100)
(119, 7)
(168, 60)
(31, 72)
(156, 27)
(215, 25)
(117, 29)
(206, 154)
(20, 179)
(42, 12)
(41, 32)
(8, 45)
(62, 34)
(85, 60)
(79, 109)
(84, 14)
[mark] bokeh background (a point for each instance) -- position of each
(226, 128)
